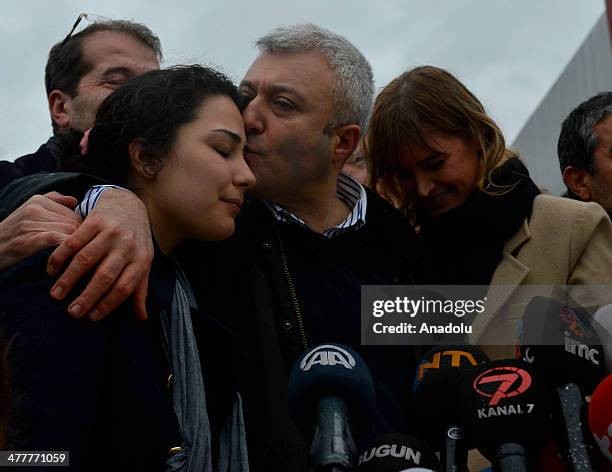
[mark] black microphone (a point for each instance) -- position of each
(435, 403)
(332, 384)
(561, 343)
(398, 453)
(506, 413)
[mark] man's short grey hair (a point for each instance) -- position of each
(578, 140)
(354, 87)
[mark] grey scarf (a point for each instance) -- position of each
(189, 398)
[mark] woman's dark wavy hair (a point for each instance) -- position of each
(149, 108)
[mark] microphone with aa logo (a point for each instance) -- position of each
(506, 412)
(331, 398)
(398, 453)
(600, 418)
(435, 402)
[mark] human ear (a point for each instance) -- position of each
(60, 105)
(345, 141)
(579, 182)
(141, 162)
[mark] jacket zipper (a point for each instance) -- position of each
(293, 295)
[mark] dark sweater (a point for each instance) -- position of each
(328, 275)
(242, 281)
(46, 159)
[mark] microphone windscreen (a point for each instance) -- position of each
(504, 402)
(561, 343)
(397, 452)
(330, 369)
(603, 326)
(600, 417)
(434, 403)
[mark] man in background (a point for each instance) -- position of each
(81, 71)
(585, 151)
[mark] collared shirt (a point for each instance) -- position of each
(350, 192)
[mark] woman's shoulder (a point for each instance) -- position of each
(30, 272)
(551, 201)
(551, 210)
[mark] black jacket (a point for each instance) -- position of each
(43, 160)
(101, 390)
(244, 282)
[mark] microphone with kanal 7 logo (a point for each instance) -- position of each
(506, 412)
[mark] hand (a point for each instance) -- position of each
(115, 237)
(41, 222)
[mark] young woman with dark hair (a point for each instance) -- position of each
(122, 394)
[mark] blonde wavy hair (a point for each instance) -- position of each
(420, 101)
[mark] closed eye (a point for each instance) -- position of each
(222, 152)
(434, 165)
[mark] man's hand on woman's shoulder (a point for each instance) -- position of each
(115, 238)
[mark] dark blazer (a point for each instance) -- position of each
(242, 282)
(100, 390)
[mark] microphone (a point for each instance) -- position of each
(603, 325)
(398, 453)
(506, 412)
(436, 408)
(572, 360)
(600, 417)
(332, 384)
(561, 342)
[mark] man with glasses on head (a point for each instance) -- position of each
(81, 71)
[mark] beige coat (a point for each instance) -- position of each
(565, 242)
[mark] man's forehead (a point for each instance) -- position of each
(116, 49)
(291, 72)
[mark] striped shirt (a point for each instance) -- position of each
(91, 198)
(350, 192)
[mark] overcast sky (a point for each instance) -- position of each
(508, 52)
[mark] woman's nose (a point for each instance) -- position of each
(244, 177)
(424, 187)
